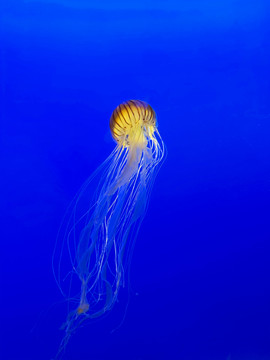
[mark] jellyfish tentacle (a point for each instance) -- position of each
(100, 233)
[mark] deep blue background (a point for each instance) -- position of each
(201, 262)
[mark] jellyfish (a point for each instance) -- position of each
(100, 228)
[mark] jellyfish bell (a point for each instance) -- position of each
(130, 121)
(133, 124)
(99, 232)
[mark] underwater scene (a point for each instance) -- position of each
(135, 178)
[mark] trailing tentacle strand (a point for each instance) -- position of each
(100, 233)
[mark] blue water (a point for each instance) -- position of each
(200, 268)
